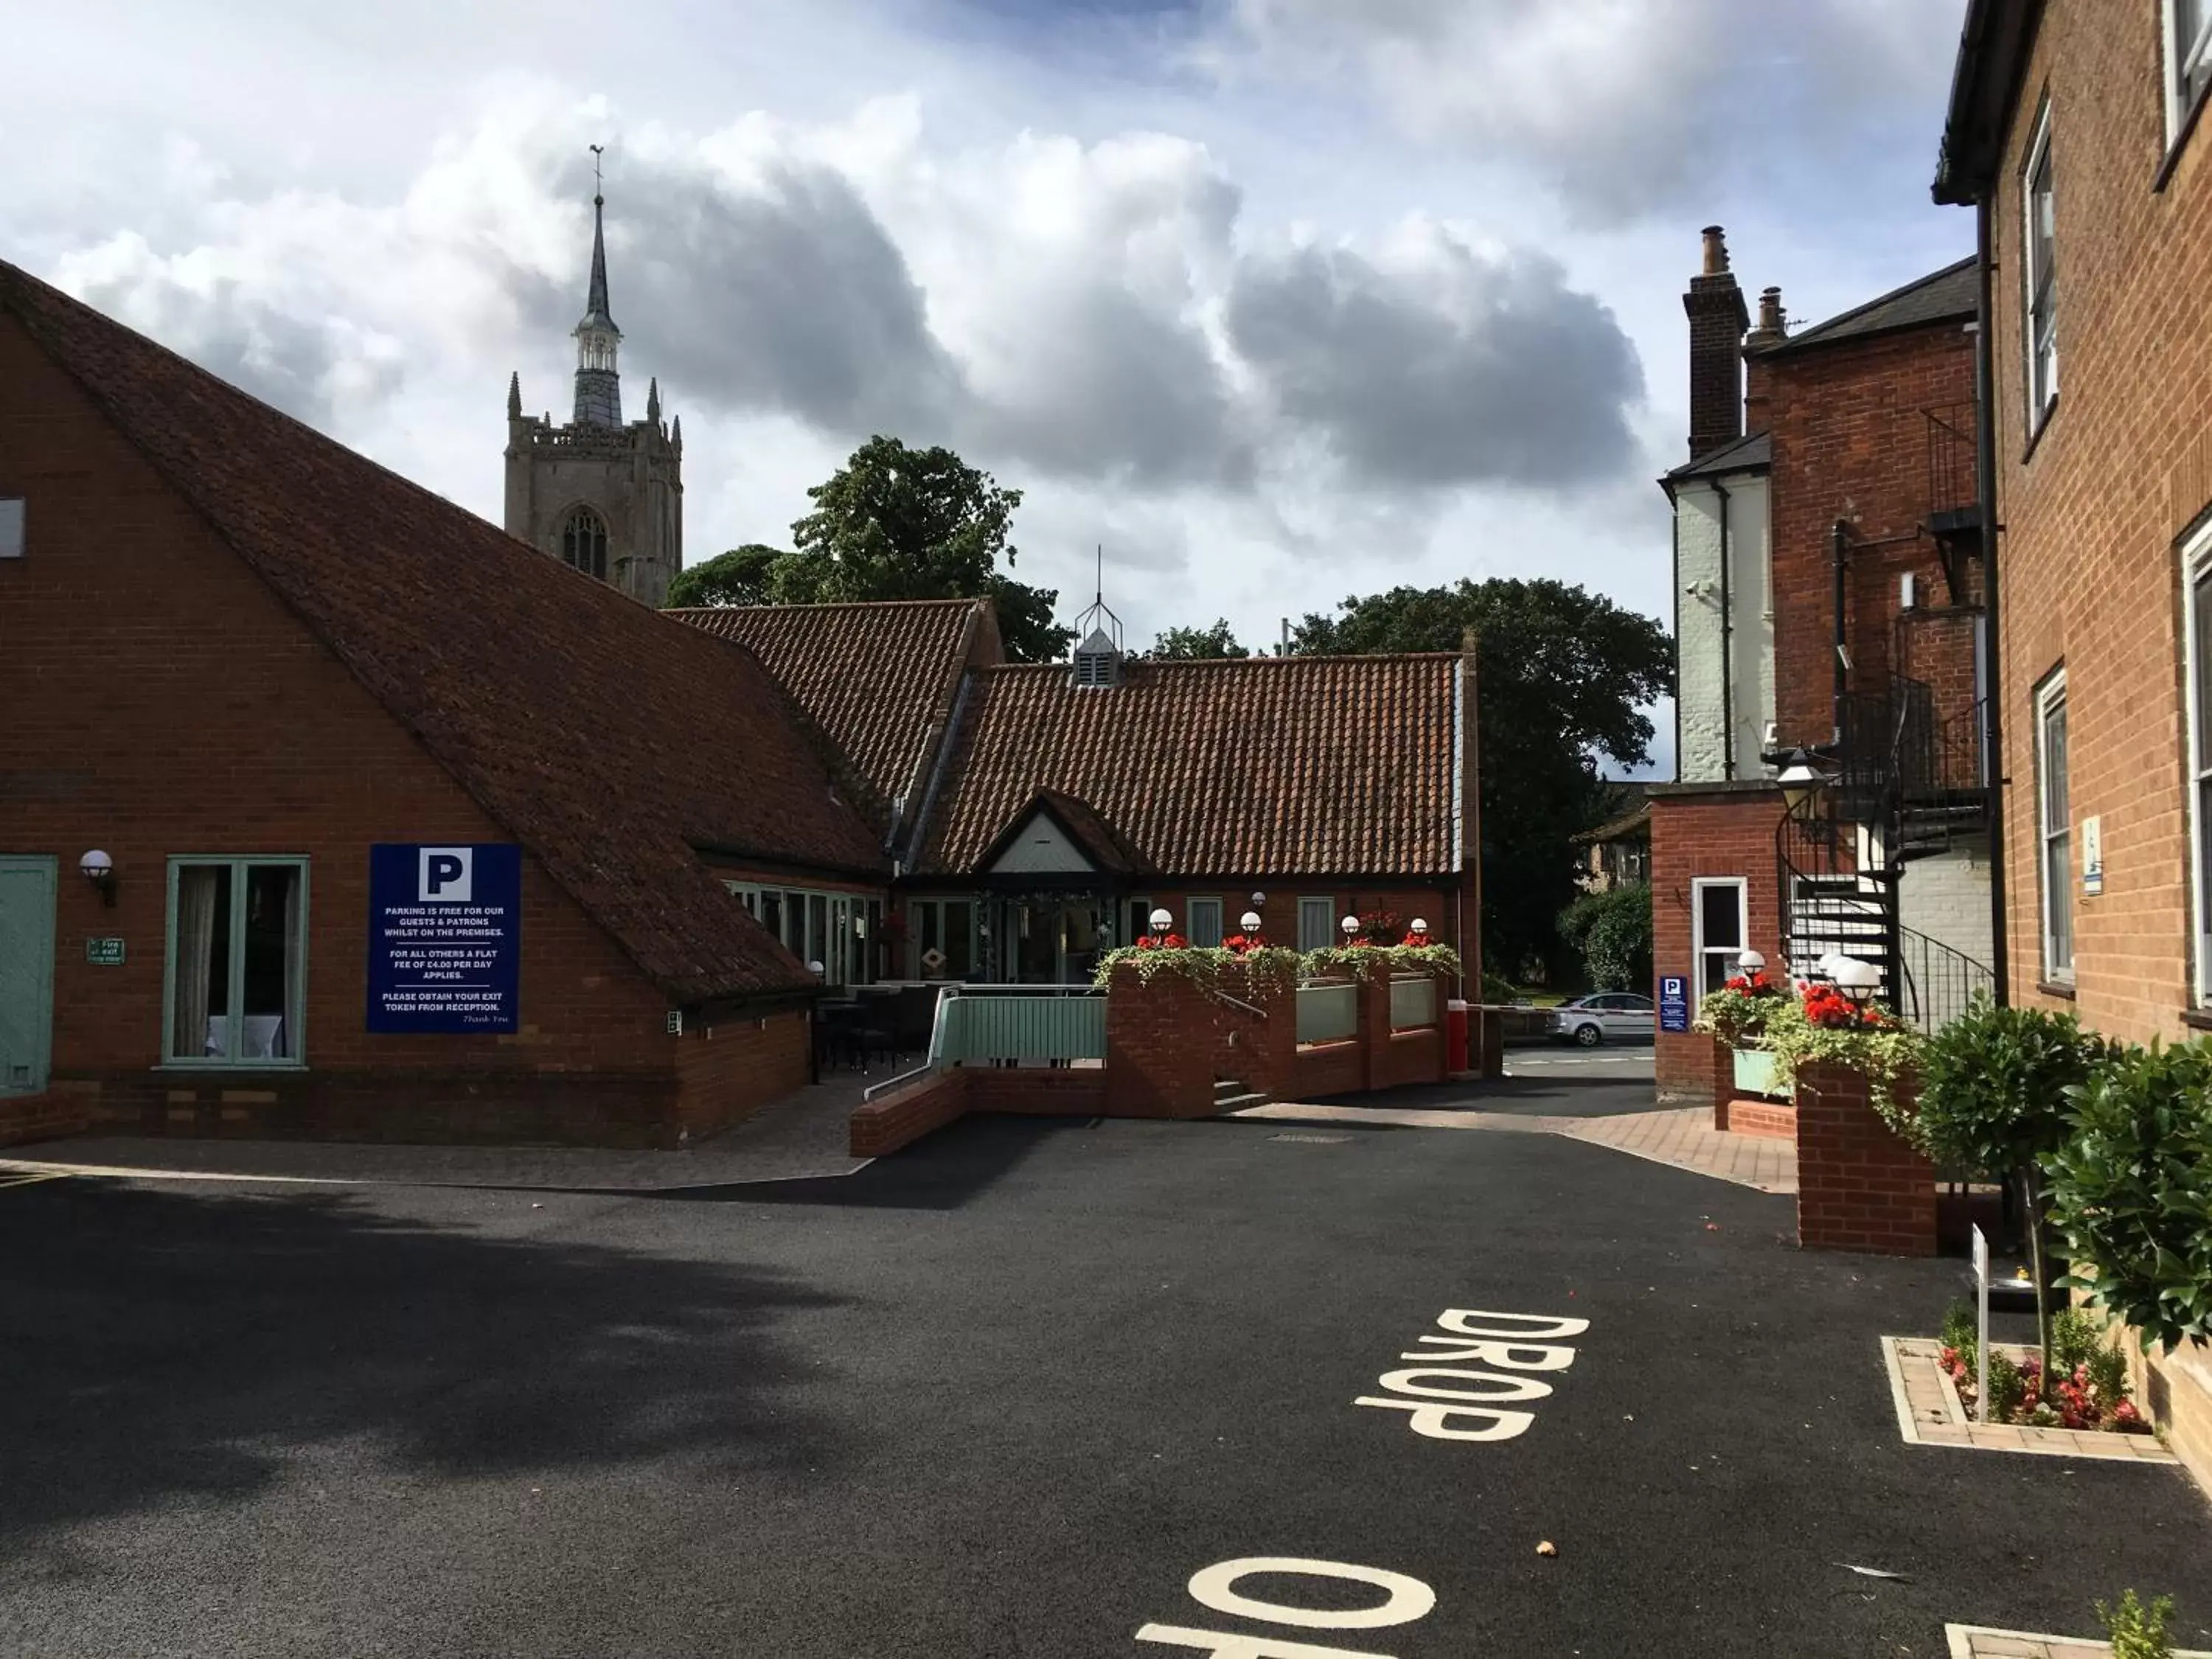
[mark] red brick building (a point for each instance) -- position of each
(1037, 816)
(330, 809)
(1828, 610)
(2078, 133)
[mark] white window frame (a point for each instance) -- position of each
(2183, 58)
(1327, 903)
(2042, 385)
(2196, 715)
(2050, 696)
(296, 1011)
(1698, 945)
(1190, 919)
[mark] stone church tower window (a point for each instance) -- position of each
(603, 496)
(584, 542)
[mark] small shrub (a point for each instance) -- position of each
(2131, 1191)
(1961, 1326)
(2138, 1631)
(2008, 1388)
(1612, 932)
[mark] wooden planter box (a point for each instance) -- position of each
(1755, 1072)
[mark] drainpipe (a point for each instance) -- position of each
(1985, 490)
(1727, 648)
(1840, 540)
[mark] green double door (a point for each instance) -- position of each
(26, 972)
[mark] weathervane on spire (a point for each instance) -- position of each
(599, 198)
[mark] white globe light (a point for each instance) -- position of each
(1750, 961)
(1161, 922)
(1250, 922)
(1417, 925)
(1350, 925)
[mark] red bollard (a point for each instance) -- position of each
(1455, 1037)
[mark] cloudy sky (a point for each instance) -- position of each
(1280, 299)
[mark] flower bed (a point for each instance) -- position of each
(2091, 1387)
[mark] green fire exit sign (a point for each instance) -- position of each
(104, 952)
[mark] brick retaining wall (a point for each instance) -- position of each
(1859, 1186)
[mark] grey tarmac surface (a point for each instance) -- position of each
(1001, 1394)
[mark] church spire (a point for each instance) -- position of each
(598, 385)
(515, 396)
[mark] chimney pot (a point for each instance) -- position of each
(1717, 261)
(1770, 311)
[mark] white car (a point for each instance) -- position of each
(1605, 1016)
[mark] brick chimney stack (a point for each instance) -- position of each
(1773, 329)
(1718, 322)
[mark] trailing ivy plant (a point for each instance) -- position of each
(1365, 961)
(1738, 1011)
(1801, 1030)
(2131, 1191)
(1262, 966)
(1994, 1102)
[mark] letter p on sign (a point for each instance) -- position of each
(447, 877)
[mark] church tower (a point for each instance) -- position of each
(604, 497)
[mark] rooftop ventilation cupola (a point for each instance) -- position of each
(1097, 661)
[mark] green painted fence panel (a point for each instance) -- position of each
(1024, 1028)
(1327, 1012)
(1412, 1003)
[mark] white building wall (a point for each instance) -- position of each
(1946, 896)
(1698, 627)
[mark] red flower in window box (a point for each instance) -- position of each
(1242, 944)
(1163, 942)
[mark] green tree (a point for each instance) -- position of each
(1197, 644)
(1612, 931)
(896, 523)
(1562, 678)
(1993, 1102)
(743, 576)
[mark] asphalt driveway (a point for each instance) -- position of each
(1002, 1395)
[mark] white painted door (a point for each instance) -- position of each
(26, 972)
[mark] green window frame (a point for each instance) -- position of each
(235, 961)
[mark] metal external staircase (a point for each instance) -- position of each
(1902, 785)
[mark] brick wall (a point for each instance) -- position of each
(904, 1116)
(1717, 834)
(1859, 1186)
(2093, 504)
(162, 700)
(1850, 441)
(46, 1116)
(727, 1072)
(1159, 1046)
(1043, 1092)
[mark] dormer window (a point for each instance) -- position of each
(584, 542)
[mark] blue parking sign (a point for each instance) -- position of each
(1673, 1002)
(445, 937)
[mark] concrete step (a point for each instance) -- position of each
(1238, 1103)
(1225, 1086)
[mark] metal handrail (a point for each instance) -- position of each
(935, 1060)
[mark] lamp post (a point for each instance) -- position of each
(1249, 921)
(1350, 926)
(1161, 922)
(1751, 963)
(1418, 929)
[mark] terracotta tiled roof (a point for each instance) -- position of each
(608, 740)
(876, 678)
(1262, 766)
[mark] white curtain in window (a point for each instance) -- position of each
(195, 961)
(295, 956)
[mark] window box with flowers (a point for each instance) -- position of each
(1821, 1024)
(1737, 1014)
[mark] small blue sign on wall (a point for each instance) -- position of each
(1673, 1002)
(445, 937)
